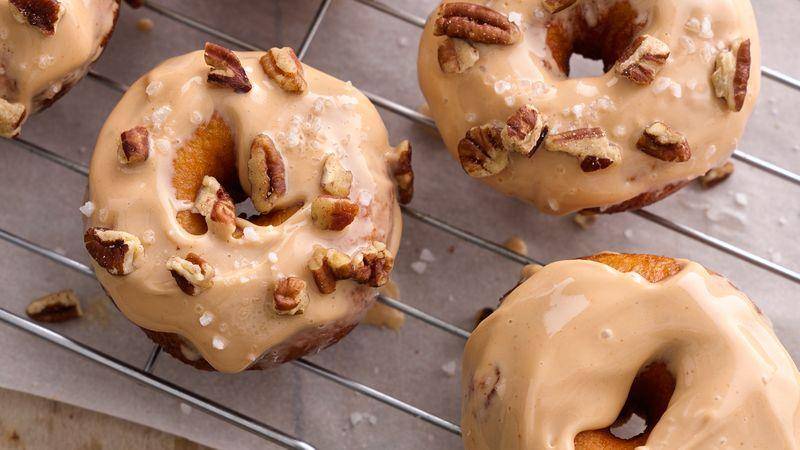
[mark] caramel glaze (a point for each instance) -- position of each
(558, 358)
(534, 71)
(178, 107)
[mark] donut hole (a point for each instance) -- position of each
(210, 151)
(583, 67)
(594, 30)
(647, 400)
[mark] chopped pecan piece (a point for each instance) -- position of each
(58, 307)
(373, 265)
(42, 14)
(340, 263)
(336, 180)
(226, 69)
(457, 55)
(134, 146)
(193, 274)
(524, 131)
(555, 6)
(283, 67)
(660, 141)
(589, 145)
(321, 270)
(333, 213)
(403, 173)
(289, 296)
(116, 251)
(216, 206)
(643, 59)
(266, 172)
(717, 175)
(481, 152)
(11, 117)
(732, 73)
(475, 23)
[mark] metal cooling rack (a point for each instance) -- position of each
(144, 374)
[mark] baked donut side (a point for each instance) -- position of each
(584, 344)
(243, 207)
(680, 81)
(46, 47)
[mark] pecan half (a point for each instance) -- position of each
(475, 23)
(336, 180)
(590, 145)
(524, 131)
(403, 172)
(283, 67)
(58, 307)
(216, 206)
(481, 152)
(289, 296)
(643, 59)
(321, 270)
(717, 175)
(457, 55)
(554, 6)
(193, 275)
(226, 69)
(42, 14)
(373, 265)
(732, 73)
(116, 251)
(11, 117)
(134, 146)
(333, 213)
(660, 141)
(266, 172)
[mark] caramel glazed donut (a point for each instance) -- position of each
(46, 46)
(681, 79)
(551, 368)
(206, 130)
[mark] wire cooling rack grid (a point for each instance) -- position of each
(144, 373)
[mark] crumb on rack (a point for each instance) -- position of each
(145, 25)
(516, 245)
(57, 307)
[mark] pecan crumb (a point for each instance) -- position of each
(516, 245)
(11, 117)
(524, 131)
(717, 175)
(643, 59)
(290, 296)
(554, 6)
(42, 14)
(584, 220)
(457, 55)
(134, 146)
(476, 23)
(732, 73)
(283, 67)
(226, 69)
(660, 141)
(192, 274)
(58, 307)
(266, 172)
(481, 152)
(403, 173)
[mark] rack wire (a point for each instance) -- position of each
(144, 374)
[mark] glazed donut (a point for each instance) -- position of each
(552, 367)
(680, 81)
(189, 144)
(46, 46)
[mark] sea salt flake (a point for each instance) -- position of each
(740, 198)
(501, 86)
(273, 257)
(87, 209)
(515, 17)
(149, 236)
(419, 267)
(196, 118)
(206, 319)
(628, 234)
(449, 368)
(586, 90)
(153, 88)
(426, 255)
(218, 342)
(250, 234)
